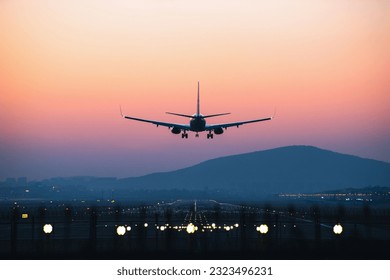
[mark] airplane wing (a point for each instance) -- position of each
(181, 126)
(226, 125)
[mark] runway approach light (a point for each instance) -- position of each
(190, 228)
(121, 230)
(48, 228)
(263, 229)
(337, 229)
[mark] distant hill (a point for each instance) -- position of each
(289, 169)
(252, 176)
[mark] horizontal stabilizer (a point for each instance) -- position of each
(181, 115)
(216, 115)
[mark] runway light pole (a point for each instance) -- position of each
(121, 230)
(337, 229)
(263, 229)
(48, 228)
(190, 228)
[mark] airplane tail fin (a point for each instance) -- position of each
(198, 107)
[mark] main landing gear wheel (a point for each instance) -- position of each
(184, 135)
(210, 135)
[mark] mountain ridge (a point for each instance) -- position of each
(283, 169)
(249, 176)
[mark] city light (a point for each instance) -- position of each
(162, 228)
(48, 228)
(128, 228)
(24, 216)
(337, 229)
(146, 225)
(121, 230)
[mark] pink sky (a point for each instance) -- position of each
(65, 66)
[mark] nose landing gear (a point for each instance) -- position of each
(184, 135)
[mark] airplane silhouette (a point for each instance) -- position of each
(197, 123)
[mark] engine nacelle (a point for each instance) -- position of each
(218, 130)
(175, 130)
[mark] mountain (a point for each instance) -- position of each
(291, 169)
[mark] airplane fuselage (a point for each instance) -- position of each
(197, 123)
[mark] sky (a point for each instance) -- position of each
(67, 66)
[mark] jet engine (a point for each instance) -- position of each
(175, 130)
(218, 130)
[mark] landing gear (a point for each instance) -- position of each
(197, 135)
(184, 135)
(210, 135)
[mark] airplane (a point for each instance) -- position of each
(197, 123)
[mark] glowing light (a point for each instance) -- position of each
(263, 229)
(128, 228)
(146, 225)
(48, 228)
(190, 228)
(121, 230)
(162, 228)
(236, 225)
(25, 216)
(337, 229)
(213, 225)
(227, 228)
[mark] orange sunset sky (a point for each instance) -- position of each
(66, 66)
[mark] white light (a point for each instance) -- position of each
(190, 228)
(213, 225)
(128, 228)
(236, 225)
(227, 228)
(146, 225)
(162, 228)
(338, 229)
(121, 230)
(48, 228)
(263, 229)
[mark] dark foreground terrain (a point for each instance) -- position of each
(160, 230)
